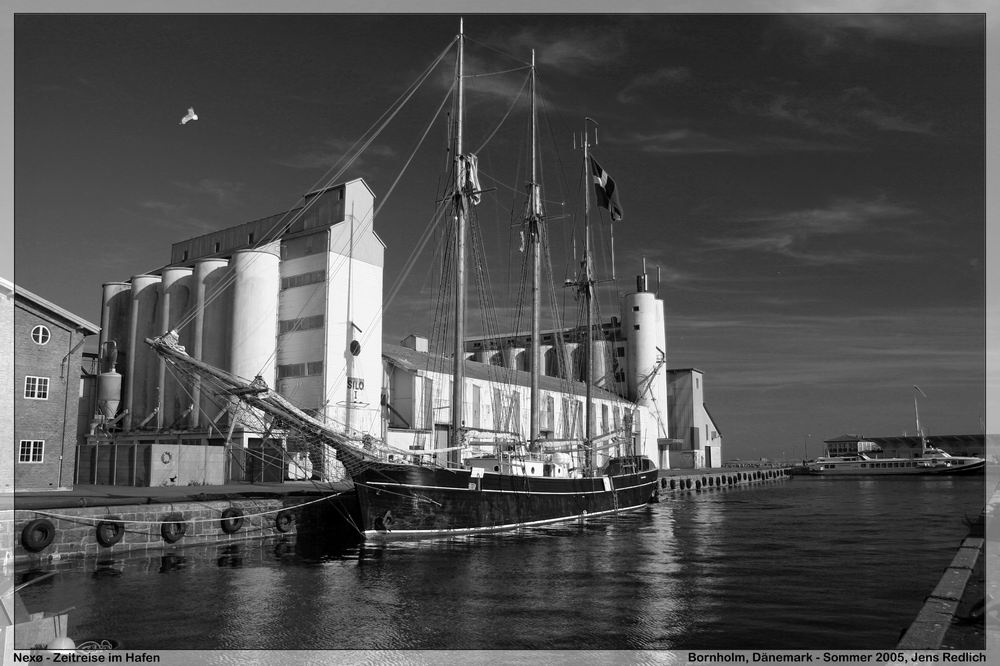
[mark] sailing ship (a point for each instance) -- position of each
(404, 494)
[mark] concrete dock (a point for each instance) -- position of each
(957, 612)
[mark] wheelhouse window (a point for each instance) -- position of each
(36, 388)
(31, 451)
(40, 335)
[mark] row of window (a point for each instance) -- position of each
(310, 369)
(300, 324)
(312, 277)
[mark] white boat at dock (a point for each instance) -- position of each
(932, 461)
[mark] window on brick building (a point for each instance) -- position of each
(40, 335)
(36, 388)
(31, 450)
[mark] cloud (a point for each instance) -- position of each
(577, 52)
(694, 142)
(654, 82)
(848, 112)
(173, 216)
(333, 152)
(831, 33)
(685, 140)
(809, 235)
(224, 192)
(765, 351)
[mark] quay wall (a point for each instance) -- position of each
(935, 623)
(75, 531)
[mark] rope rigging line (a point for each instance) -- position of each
(374, 131)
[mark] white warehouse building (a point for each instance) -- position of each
(296, 298)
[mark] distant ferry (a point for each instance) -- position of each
(933, 461)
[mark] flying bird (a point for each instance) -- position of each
(191, 115)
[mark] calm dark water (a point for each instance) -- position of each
(798, 563)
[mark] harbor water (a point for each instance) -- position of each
(801, 562)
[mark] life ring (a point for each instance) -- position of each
(110, 531)
(232, 520)
(166, 457)
(283, 521)
(385, 521)
(173, 527)
(38, 534)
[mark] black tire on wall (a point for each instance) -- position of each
(38, 534)
(173, 527)
(232, 520)
(283, 521)
(110, 531)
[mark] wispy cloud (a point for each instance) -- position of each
(685, 140)
(772, 351)
(809, 235)
(337, 152)
(224, 192)
(173, 216)
(845, 113)
(579, 50)
(654, 82)
(829, 33)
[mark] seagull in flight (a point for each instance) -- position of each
(191, 115)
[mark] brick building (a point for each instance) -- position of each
(48, 350)
(7, 379)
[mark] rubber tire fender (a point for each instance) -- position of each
(173, 527)
(110, 531)
(283, 521)
(38, 534)
(232, 520)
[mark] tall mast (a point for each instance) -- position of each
(534, 241)
(588, 285)
(916, 415)
(458, 383)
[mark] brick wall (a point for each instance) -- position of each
(6, 379)
(53, 420)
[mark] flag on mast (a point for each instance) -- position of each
(605, 187)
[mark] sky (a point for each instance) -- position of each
(808, 190)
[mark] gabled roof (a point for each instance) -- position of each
(73, 320)
(412, 360)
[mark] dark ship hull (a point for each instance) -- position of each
(417, 502)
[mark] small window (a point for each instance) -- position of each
(40, 335)
(217, 246)
(185, 257)
(31, 451)
(635, 308)
(637, 327)
(250, 238)
(36, 388)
